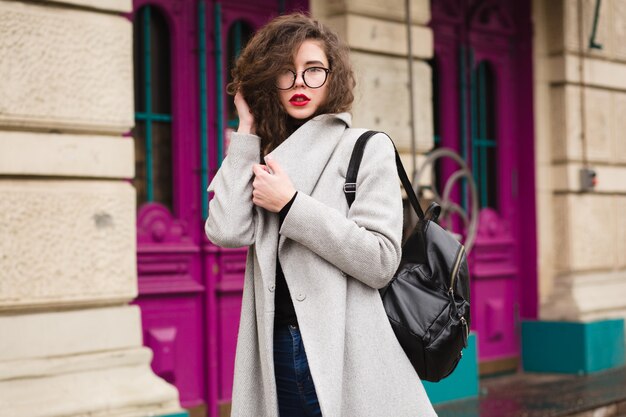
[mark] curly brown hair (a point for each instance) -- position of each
(271, 50)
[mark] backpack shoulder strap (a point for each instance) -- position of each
(349, 187)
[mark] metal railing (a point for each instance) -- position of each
(463, 176)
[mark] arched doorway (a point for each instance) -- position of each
(483, 111)
(189, 290)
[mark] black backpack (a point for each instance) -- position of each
(427, 301)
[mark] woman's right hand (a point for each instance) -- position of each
(246, 119)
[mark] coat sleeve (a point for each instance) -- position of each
(231, 218)
(367, 244)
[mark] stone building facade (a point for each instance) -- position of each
(579, 117)
(70, 344)
(91, 270)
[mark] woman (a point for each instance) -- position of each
(314, 338)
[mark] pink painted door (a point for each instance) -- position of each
(482, 73)
(189, 291)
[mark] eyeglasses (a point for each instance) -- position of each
(313, 77)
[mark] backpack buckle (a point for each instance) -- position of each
(349, 187)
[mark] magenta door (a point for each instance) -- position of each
(483, 110)
(189, 290)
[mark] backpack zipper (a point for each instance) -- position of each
(455, 270)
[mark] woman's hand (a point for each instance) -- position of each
(246, 119)
(271, 191)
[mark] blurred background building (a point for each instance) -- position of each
(114, 118)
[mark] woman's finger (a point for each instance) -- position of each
(258, 169)
(246, 119)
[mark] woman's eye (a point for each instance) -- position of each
(286, 75)
(315, 69)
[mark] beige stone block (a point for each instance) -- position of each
(54, 365)
(619, 127)
(611, 179)
(562, 233)
(571, 17)
(563, 69)
(604, 74)
(67, 333)
(124, 6)
(546, 238)
(382, 95)
(79, 362)
(65, 69)
(585, 224)
(66, 243)
(618, 17)
(595, 72)
(599, 292)
(565, 126)
(549, 16)
(599, 114)
(598, 123)
(375, 35)
(320, 9)
(382, 99)
(387, 10)
(59, 155)
(544, 35)
(423, 106)
(128, 391)
(585, 296)
(575, 36)
(620, 229)
(593, 232)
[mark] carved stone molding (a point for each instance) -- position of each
(481, 15)
(155, 224)
(491, 225)
(491, 16)
(162, 341)
(447, 11)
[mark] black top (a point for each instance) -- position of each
(283, 306)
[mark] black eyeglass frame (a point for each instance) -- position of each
(295, 76)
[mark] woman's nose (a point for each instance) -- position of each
(299, 79)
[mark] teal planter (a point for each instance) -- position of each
(462, 383)
(181, 414)
(572, 347)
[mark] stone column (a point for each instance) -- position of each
(580, 108)
(376, 33)
(69, 342)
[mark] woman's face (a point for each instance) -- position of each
(301, 101)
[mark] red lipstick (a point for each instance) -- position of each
(299, 100)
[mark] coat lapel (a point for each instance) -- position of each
(303, 156)
(305, 153)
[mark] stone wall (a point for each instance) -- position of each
(580, 109)
(377, 35)
(71, 344)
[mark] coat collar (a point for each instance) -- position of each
(303, 156)
(305, 153)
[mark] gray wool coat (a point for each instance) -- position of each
(334, 259)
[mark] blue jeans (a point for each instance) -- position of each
(294, 384)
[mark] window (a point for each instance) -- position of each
(153, 119)
(484, 141)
